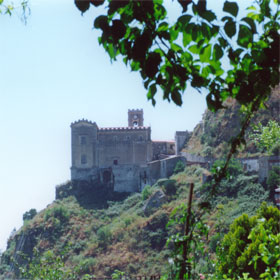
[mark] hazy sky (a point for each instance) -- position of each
(52, 73)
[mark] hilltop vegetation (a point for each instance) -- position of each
(211, 136)
(122, 237)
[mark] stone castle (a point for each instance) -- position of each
(124, 157)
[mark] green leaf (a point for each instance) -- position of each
(176, 97)
(176, 47)
(206, 32)
(183, 20)
(111, 51)
(187, 38)
(163, 27)
(194, 49)
(208, 15)
(231, 8)
(152, 91)
(205, 53)
(251, 23)
(245, 36)
(230, 28)
(173, 34)
(194, 32)
(100, 22)
(218, 52)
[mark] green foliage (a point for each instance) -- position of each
(47, 267)
(169, 56)
(252, 246)
(194, 240)
(146, 192)
(169, 187)
(234, 167)
(179, 167)
(266, 137)
(29, 215)
(117, 274)
(59, 212)
(104, 236)
(273, 180)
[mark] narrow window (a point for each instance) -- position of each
(115, 162)
(135, 124)
(83, 159)
(140, 138)
(83, 140)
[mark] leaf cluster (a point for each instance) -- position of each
(251, 246)
(170, 56)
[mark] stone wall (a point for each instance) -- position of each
(250, 164)
(124, 146)
(181, 137)
(126, 178)
(163, 168)
(265, 165)
(162, 149)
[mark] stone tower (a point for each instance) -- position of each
(135, 118)
(84, 149)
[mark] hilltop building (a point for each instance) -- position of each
(124, 157)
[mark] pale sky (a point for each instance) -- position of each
(53, 72)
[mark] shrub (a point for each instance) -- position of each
(273, 180)
(59, 212)
(275, 150)
(29, 215)
(169, 187)
(252, 246)
(146, 192)
(104, 236)
(179, 167)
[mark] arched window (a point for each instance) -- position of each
(135, 123)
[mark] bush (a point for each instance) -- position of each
(104, 236)
(252, 246)
(179, 167)
(29, 215)
(146, 192)
(169, 187)
(273, 180)
(59, 212)
(275, 150)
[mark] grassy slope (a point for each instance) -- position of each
(98, 241)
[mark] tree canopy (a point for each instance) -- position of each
(195, 50)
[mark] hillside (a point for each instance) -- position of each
(98, 236)
(211, 136)
(125, 237)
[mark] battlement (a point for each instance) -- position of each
(127, 128)
(135, 110)
(83, 121)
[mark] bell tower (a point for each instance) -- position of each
(135, 118)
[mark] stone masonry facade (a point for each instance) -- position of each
(123, 156)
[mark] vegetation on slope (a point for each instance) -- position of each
(212, 135)
(122, 237)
